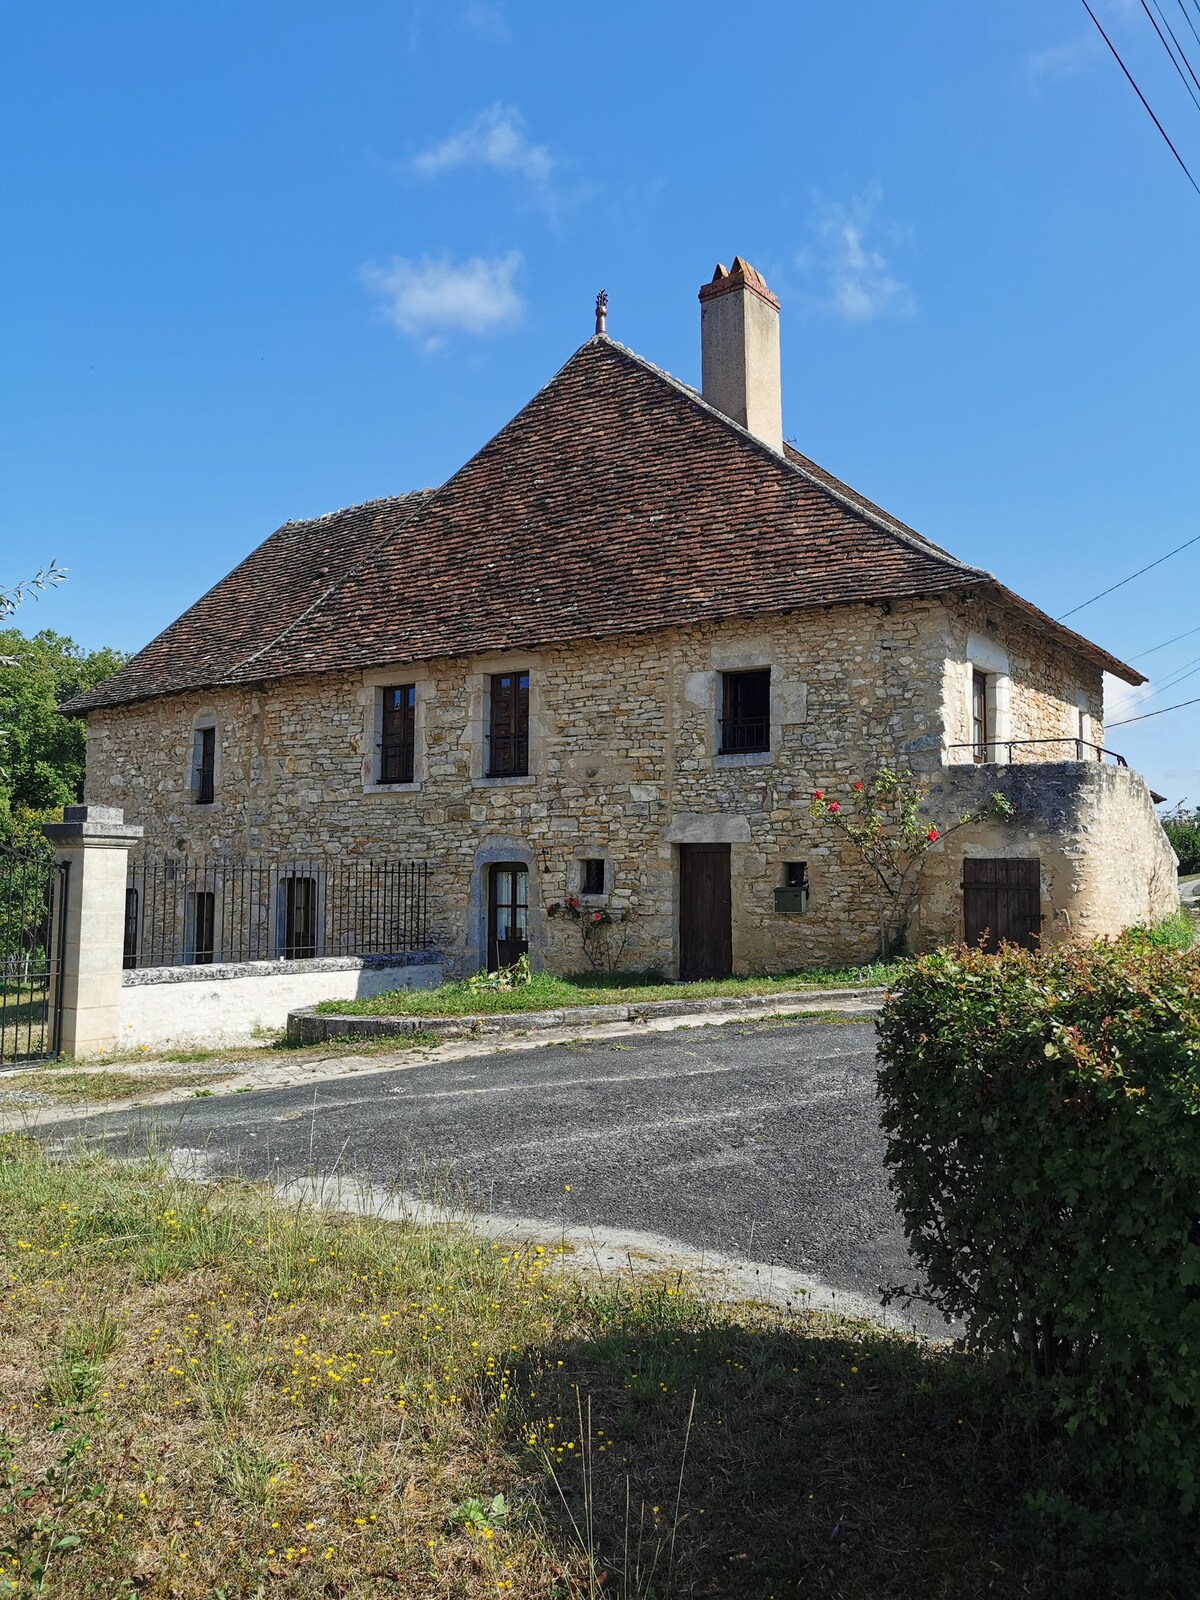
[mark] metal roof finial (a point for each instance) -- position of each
(601, 311)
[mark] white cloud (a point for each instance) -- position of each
(495, 138)
(848, 272)
(429, 298)
(1081, 52)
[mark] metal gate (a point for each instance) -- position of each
(33, 915)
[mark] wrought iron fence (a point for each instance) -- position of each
(33, 908)
(183, 911)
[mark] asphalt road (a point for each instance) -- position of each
(758, 1140)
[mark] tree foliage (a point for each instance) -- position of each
(41, 752)
(1182, 828)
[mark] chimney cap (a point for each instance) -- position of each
(740, 276)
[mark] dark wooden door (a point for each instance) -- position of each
(705, 912)
(1002, 901)
(508, 914)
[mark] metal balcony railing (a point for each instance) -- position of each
(1001, 751)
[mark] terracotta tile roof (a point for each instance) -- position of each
(616, 502)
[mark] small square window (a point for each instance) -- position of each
(591, 877)
(795, 874)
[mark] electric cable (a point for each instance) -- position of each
(1161, 712)
(1155, 647)
(1114, 587)
(1171, 53)
(1141, 96)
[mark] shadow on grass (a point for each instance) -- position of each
(810, 1462)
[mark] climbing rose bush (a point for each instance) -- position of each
(892, 838)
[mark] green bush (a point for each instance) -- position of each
(1044, 1145)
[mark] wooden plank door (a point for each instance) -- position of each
(1002, 900)
(705, 912)
(508, 914)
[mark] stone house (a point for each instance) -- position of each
(611, 658)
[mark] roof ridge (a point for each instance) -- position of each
(358, 505)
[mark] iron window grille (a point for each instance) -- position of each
(206, 765)
(745, 712)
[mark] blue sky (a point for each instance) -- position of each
(263, 260)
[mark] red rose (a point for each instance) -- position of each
(932, 835)
(818, 794)
(596, 916)
(858, 788)
(834, 807)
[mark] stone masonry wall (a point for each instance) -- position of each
(1105, 861)
(623, 738)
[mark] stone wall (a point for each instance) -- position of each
(624, 738)
(1106, 863)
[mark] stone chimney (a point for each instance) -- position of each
(739, 351)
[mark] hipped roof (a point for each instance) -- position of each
(616, 502)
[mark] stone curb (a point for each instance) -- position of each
(309, 1026)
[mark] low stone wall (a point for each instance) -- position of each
(1106, 863)
(224, 1004)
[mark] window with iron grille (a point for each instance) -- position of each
(508, 726)
(745, 711)
(206, 765)
(203, 926)
(132, 908)
(299, 919)
(397, 748)
(591, 876)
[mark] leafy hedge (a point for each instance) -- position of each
(1043, 1121)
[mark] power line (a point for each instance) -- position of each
(1188, 670)
(1189, 21)
(1141, 97)
(1113, 587)
(1170, 52)
(1161, 712)
(1155, 647)
(1183, 56)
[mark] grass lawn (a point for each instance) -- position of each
(210, 1394)
(545, 992)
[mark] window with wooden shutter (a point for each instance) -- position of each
(398, 744)
(508, 725)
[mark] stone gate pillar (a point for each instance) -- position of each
(94, 841)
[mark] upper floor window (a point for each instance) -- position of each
(206, 765)
(508, 726)
(981, 729)
(399, 734)
(745, 711)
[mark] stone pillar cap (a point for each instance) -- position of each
(92, 825)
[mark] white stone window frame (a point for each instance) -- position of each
(371, 697)
(479, 716)
(788, 701)
(301, 869)
(581, 854)
(987, 656)
(205, 718)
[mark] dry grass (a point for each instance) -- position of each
(105, 1084)
(209, 1395)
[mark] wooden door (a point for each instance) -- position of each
(508, 914)
(705, 912)
(1002, 900)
